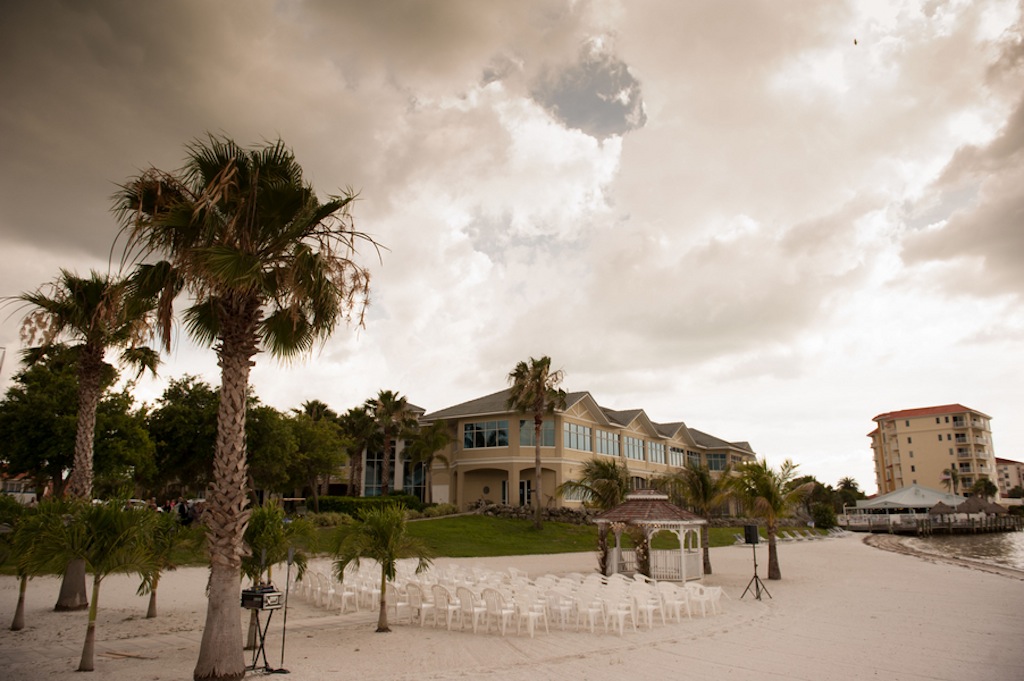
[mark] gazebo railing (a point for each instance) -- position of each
(665, 564)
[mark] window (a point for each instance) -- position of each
(575, 436)
(908, 423)
(607, 443)
(527, 433)
(656, 452)
(947, 419)
(937, 420)
(940, 437)
(949, 436)
(911, 453)
(693, 458)
(716, 462)
(485, 434)
(633, 447)
(676, 457)
(910, 440)
(913, 469)
(637, 482)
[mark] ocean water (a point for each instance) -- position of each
(998, 548)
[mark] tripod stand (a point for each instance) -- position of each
(755, 581)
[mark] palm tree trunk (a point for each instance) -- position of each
(773, 554)
(429, 481)
(151, 611)
(73, 595)
(538, 422)
(220, 653)
(705, 540)
(90, 374)
(385, 468)
(18, 623)
(382, 617)
(89, 649)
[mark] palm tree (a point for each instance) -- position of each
(95, 313)
(381, 535)
(269, 267)
(603, 483)
(393, 417)
(361, 430)
(425, 447)
(269, 539)
(984, 488)
(110, 537)
(766, 492)
(166, 536)
(703, 492)
(535, 392)
(951, 479)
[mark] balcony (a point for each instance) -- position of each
(959, 423)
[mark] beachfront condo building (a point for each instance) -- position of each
(921, 447)
(1009, 475)
(492, 454)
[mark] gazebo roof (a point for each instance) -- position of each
(648, 507)
(973, 504)
(941, 508)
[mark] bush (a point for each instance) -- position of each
(329, 519)
(355, 506)
(824, 516)
(438, 510)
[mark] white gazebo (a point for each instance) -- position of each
(644, 514)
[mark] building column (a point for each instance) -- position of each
(513, 484)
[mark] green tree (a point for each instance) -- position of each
(767, 493)
(696, 487)
(271, 447)
(382, 536)
(107, 537)
(425, 447)
(183, 427)
(268, 265)
(984, 488)
(393, 417)
(320, 451)
(535, 392)
(361, 431)
(847, 493)
(603, 484)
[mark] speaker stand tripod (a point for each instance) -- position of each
(755, 581)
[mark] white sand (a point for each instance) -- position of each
(843, 611)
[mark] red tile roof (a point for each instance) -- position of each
(647, 506)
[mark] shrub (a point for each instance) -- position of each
(329, 519)
(824, 515)
(355, 506)
(439, 510)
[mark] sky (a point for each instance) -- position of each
(772, 221)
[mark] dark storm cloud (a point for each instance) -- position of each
(597, 94)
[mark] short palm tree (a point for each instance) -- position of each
(984, 488)
(766, 493)
(166, 536)
(393, 418)
(109, 537)
(381, 535)
(535, 392)
(603, 483)
(695, 487)
(268, 267)
(94, 313)
(425, 447)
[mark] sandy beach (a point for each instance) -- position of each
(844, 610)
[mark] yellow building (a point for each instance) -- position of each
(1009, 474)
(921, 446)
(492, 454)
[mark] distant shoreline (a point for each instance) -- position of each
(897, 544)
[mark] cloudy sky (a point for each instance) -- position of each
(772, 221)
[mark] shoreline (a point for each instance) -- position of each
(897, 544)
(843, 610)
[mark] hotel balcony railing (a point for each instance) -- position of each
(959, 423)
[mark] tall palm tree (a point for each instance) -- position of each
(269, 267)
(767, 493)
(361, 430)
(110, 537)
(696, 487)
(94, 314)
(393, 417)
(381, 535)
(535, 392)
(425, 448)
(603, 483)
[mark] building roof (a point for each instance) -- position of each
(928, 411)
(913, 496)
(497, 403)
(648, 507)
